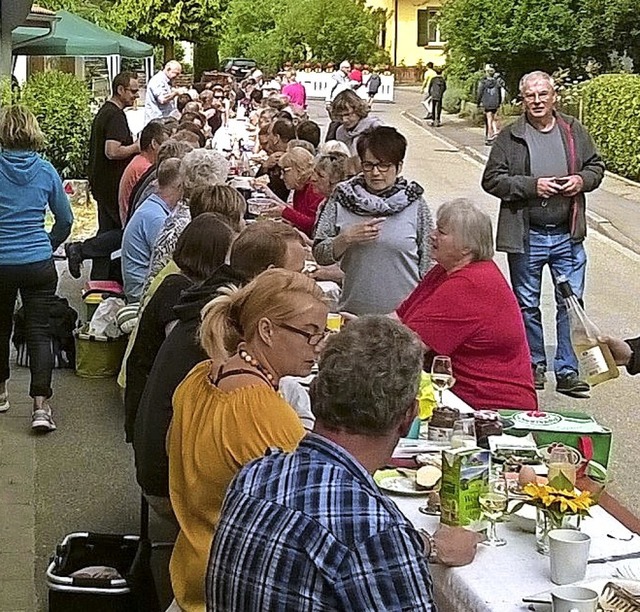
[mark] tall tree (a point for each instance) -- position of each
(165, 21)
(516, 36)
(97, 11)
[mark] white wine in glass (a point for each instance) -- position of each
(493, 503)
(442, 375)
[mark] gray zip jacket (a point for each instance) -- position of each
(507, 176)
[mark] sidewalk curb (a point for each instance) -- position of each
(594, 221)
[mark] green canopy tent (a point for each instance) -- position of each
(77, 37)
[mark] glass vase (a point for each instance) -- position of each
(546, 521)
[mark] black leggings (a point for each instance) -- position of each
(37, 284)
(436, 110)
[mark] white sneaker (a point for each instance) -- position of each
(41, 420)
(4, 402)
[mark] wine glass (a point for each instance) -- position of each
(464, 434)
(441, 376)
(493, 503)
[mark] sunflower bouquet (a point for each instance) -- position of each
(557, 502)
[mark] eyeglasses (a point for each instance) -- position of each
(285, 170)
(381, 166)
(543, 97)
(312, 339)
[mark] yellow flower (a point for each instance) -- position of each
(564, 502)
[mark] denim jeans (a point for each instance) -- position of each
(564, 258)
(37, 284)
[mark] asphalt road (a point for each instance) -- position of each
(83, 474)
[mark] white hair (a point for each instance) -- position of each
(334, 146)
(203, 166)
(470, 226)
(536, 75)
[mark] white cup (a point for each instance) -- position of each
(574, 599)
(568, 555)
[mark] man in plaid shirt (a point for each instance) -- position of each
(310, 530)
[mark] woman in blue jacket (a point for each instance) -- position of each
(28, 186)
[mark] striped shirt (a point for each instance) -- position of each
(310, 530)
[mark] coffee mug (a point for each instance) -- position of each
(574, 599)
(568, 555)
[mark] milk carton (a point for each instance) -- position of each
(465, 475)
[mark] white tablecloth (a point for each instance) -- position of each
(499, 578)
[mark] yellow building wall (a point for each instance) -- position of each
(407, 51)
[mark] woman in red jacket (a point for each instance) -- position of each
(297, 171)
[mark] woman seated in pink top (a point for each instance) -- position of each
(465, 309)
(297, 172)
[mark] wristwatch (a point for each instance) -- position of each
(432, 557)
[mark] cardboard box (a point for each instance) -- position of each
(465, 475)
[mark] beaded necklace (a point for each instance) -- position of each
(242, 353)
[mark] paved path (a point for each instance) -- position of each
(81, 477)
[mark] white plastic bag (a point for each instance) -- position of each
(103, 323)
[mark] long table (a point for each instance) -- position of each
(499, 578)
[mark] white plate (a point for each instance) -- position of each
(401, 485)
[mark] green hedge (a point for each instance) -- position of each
(61, 103)
(611, 113)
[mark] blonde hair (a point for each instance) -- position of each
(233, 316)
(220, 199)
(19, 129)
(301, 161)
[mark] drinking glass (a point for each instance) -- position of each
(560, 462)
(464, 434)
(441, 376)
(493, 503)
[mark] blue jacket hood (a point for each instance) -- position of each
(19, 167)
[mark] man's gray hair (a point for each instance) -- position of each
(368, 377)
(536, 75)
(203, 166)
(470, 226)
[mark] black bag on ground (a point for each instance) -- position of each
(62, 322)
(129, 555)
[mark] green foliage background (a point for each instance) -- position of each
(61, 103)
(300, 30)
(611, 113)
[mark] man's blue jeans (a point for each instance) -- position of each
(564, 258)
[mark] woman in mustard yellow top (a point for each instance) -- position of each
(226, 415)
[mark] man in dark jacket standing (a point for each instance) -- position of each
(540, 167)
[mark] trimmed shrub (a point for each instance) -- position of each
(611, 113)
(61, 103)
(453, 96)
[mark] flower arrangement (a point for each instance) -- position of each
(558, 502)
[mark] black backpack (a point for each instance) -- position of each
(490, 94)
(62, 322)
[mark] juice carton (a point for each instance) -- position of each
(465, 475)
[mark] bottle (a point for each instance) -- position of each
(595, 357)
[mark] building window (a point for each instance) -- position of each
(428, 29)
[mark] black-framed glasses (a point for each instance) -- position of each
(313, 339)
(133, 91)
(381, 166)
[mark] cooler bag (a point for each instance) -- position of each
(576, 429)
(96, 291)
(97, 356)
